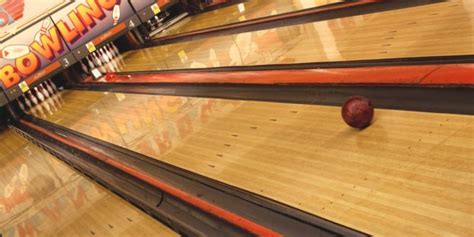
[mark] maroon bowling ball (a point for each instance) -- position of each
(357, 112)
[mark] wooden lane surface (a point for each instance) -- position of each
(247, 10)
(41, 196)
(432, 30)
(408, 174)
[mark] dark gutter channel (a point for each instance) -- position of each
(183, 219)
(331, 11)
(440, 99)
(279, 217)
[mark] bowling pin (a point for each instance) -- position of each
(92, 60)
(45, 92)
(21, 105)
(89, 62)
(48, 87)
(107, 52)
(14, 51)
(33, 98)
(109, 48)
(117, 52)
(84, 67)
(27, 102)
(53, 86)
(98, 63)
(101, 65)
(43, 30)
(104, 55)
(116, 14)
(39, 94)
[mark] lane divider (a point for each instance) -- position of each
(210, 208)
(419, 75)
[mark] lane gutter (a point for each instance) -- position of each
(230, 217)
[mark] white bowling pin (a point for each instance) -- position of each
(33, 98)
(111, 50)
(116, 14)
(48, 87)
(27, 101)
(117, 52)
(107, 52)
(43, 30)
(98, 63)
(21, 105)
(45, 92)
(39, 94)
(51, 83)
(89, 62)
(104, 55)
(14, 51)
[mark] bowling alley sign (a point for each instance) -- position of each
(35, 51)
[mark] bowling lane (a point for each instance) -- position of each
(408, 174)
(247, 10)
(440, 29)
(41, 196)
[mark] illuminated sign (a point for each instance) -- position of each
(32, 50)
(84, 20)
(74, 25)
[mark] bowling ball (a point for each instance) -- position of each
(109, 76)
(357, 112)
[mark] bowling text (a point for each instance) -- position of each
(83, 18)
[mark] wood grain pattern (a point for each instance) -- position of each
(41, 196)
(408, 174)
(247, 10)
(432, 30)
